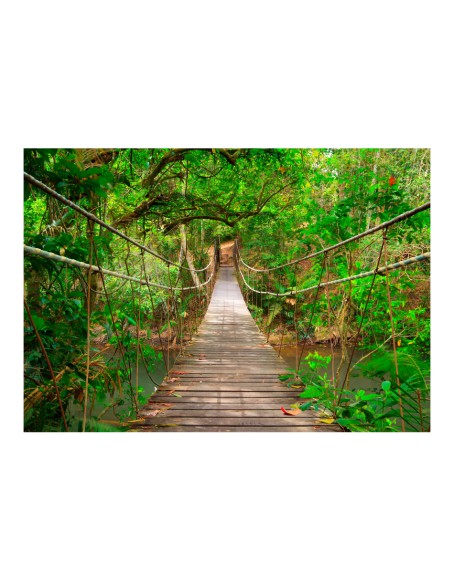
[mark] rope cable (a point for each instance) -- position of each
(314, 304)
(355, 343)
(114, 326)
(380, 271)
(105, 225)
(381, 226)
(156, 319)
(59, 258)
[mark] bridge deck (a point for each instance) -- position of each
(227, 378)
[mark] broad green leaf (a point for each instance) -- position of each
(311, 392)
(39, 322)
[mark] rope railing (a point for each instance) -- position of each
(380, 271)
(383, 225)
(62, 259)
(104, 224)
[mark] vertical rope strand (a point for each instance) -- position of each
(138, 337)
(87, 370)
(109, 306)
(314, 303)
(393, 333)
(295, 318)
(49, 365)
(355, 343)
(328, 301)
(153, 311)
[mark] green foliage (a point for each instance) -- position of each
(373, 411)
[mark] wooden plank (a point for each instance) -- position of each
(204, 428)
(231, 390)
(231, 380)
(202, 394)
(217, 412)
(226, 397)
(230, 404)
(232, 422)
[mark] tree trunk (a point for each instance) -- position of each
(33, 285)
(186, 252)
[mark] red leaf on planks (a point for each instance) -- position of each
(179, 373)
(293, 412)
(151, 412)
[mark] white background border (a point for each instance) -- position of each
(221, 507)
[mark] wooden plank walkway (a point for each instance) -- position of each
(227, 378)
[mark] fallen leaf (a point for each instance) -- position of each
(179, 373)
(291, 412)
(327, 420)
(170, 393)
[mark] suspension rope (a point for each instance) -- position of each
(381, 226)
(94, 218)
(314, 304)
(393, 333)
(87, 367)
(136, 313)
(62, 259)
(166, 363)
(380, 271)
(49, 365)
(358, 331)
(114, 326)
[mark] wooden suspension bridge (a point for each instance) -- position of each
(227, 378)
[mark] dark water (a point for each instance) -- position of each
(290, 355)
